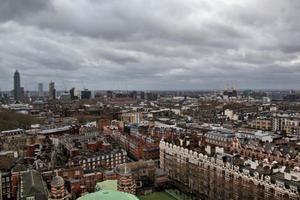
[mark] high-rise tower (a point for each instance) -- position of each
(52, 91)
(40, 90)
(17, 86)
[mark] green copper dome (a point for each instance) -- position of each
(108, 195)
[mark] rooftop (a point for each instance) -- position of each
(108, 195)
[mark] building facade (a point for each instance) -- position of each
(5, 186)
(211, 178)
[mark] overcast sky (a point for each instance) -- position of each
(150, 44)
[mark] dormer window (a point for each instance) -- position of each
(293, 189)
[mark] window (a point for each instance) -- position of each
(77, 172)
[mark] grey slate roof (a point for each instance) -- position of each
(34, 185)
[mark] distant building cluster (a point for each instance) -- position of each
(84, 144)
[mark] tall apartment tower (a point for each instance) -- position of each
(40, 90)
(52, 91)
(17, 86)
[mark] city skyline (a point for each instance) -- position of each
(149, 100)
(157, 45)
(39, 87)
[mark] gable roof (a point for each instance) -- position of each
(34, 185)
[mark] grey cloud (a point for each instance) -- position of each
(119, 56)
(169, 44)
(17, 9)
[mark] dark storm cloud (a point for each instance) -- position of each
(168, 44)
